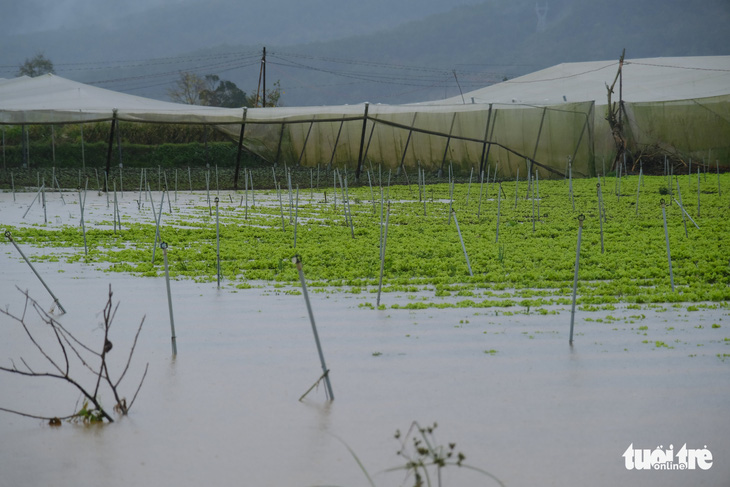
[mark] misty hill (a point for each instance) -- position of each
(132, 29)
(332, 52)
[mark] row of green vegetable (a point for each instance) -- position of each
(530, 256)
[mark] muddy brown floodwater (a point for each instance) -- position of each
(502, 384)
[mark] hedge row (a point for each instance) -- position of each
(70, 155)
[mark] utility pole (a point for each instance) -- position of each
(263, 66)
(262, 75)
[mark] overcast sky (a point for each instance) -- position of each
(25, 16)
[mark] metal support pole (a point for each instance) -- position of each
(468, 188)
(337, 141)
(253, 193)
(687, 214)
(463, 247)
(109, 147)
(83, 227)
(684, 218)
(638, 188)
(383, 242)
(34, 200)
(666, 237)
(207, 190)
(158, 217)
(362, 141)
(499, 208)
(240, 150)
(9, 236)
(325, 371)
(304, 145)
(481, 190)
(43, 201)
(537, 186)
(281, 209)
(408, 142)
(600, 211)
(163, 246)
(296, 218)
(217, 242)
(575, 277)
(698, 192)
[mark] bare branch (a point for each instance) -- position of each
(139, 386)
(46, 418)
(92, 409)
(131, 352)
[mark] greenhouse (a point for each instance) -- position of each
(580, 115)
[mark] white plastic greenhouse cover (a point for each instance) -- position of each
(676, 105)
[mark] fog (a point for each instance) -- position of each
(46, 15)
(346, 51)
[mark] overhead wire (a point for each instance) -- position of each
(357, 70)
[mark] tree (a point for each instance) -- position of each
(222, 93)
(187, 89)
(215, 92)
(272, 97)
(36, 66)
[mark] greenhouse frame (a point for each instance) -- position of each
(581, 116)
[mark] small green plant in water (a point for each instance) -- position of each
(89, 416)
(422, 454)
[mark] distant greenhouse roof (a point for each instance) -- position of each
(675, 106)
(644, 80)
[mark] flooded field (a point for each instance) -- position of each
(502, 383)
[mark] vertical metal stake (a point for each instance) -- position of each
(325, 371)
(217, 243)
(296, 218)
(666, 237)
(384, 241)
(83, 228)
(163, 246)
(9, 236)
(575, 276)
(463, 247)
(499, 208)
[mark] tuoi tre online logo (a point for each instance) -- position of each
(660, 459)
